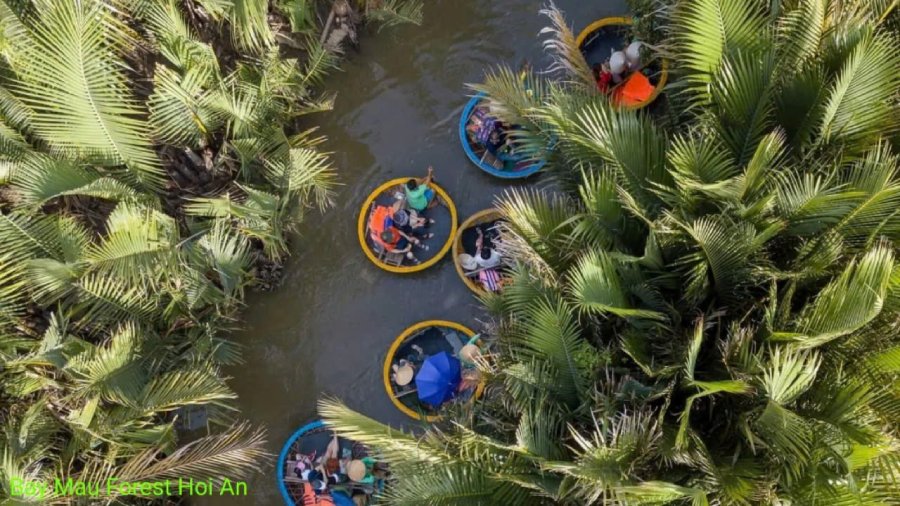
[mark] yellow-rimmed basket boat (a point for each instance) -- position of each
(434, 336)
(479, 218)
(393, 262)
(605, 29)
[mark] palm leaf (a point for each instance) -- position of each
(139, 242)
(395, 445)
(550, 332)
(849, 302)
(71, 78)
(567, 57)
(595, 286)
(250, 25)
(307, 175)
(799, 35)
(179, 110)
(231, 454)
(741, 98)
(858, 110)
(789, 373)
(396, 12)
(706, 31)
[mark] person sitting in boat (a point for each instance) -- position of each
(471, 378)
(314, 497)
(486, 255)
(480, 125)
(332, 465)
(633, 56)
(385, 235)
(402, 375)
(618, 66)
(603, 75)
(467, 262)
(500, 147)
(470, 353)
(409, 222)
(396, 241)
(419, 195)
(362, 470)
(490, 133)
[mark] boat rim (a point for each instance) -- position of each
(282, 457)
(626, 21)
(389, 359)
(470, 153)
(404, 269)
(457, 244)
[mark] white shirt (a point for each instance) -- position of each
(492, 261)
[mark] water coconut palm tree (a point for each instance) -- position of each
(708, 313)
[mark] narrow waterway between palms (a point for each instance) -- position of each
(326, 330)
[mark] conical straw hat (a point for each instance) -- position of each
(356, 470)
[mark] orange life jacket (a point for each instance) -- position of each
(635, 90)
(376, 226)
(311, 499)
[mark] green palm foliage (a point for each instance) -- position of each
(708, 313)
(151, 156)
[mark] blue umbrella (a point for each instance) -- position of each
(438, 378)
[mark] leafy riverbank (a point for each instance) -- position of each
(153, 160)
(708, 314)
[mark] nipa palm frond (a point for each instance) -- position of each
(567, 57)
(849, 302)
(859, 110)
(396, 12)
(71, 77)
(705, 31)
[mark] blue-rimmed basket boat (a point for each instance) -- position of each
(478, 154)
(314, 437)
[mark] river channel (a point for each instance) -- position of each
(326, 330)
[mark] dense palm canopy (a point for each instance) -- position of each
(151, 160)
(708, 314)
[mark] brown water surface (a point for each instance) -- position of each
(327, 329)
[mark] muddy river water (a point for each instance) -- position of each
(326, 330)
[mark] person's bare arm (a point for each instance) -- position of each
(409, 238)
(428, 178)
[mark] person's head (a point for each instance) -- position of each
(318, 485)
(617, 62)
(401, 218)
(412, 184)
(495, 135)
(470, 352)
(403, 373)
(597, 68)
(485, 253)
(356, 470)
(332, 465)
(387, 236)
(604, 67)
(633, 53)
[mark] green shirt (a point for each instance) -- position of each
(416, 198)
(473, 340)
(370, 463)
